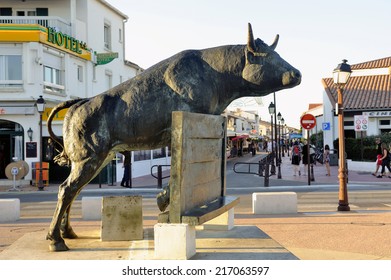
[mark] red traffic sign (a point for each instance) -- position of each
(308, 121)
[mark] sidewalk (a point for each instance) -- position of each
(322, 233)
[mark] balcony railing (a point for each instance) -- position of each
(58, 23)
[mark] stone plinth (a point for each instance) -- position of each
(9, 210)
(174, 241)
(122, 218)
(275, 203)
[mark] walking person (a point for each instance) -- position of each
(295, 158)
(126, 180)
(326, 159)
(385, 161)
(379, 155)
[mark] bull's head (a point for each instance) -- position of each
(265, 68)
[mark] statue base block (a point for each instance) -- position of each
(122, 218)
(275, 203)
(223, 222)
(91, 208)
(9, 210)
(174, 241)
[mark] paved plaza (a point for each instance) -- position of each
(316, 232)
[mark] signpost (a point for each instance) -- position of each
(361, 124)
(308, 122)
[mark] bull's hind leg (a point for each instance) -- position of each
(80, 175)
(66, 229)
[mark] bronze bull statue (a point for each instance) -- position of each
(136, 115)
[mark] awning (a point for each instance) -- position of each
(239, 137)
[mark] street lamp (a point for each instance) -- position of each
(272, 109)
(341, 76)
(279, 146)
(283, 138)
(30, 134)
(41, 108)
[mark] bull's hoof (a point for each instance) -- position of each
(58, 247)
(163, 199)
(70, 234)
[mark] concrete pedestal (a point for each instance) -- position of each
(174, 241)
(9, 210)
(122, 218)
(91, 208)
(275, 203)
(223, 222)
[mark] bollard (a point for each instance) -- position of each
(266, 180)
(260, 168)
(159, 177)
(312, 173)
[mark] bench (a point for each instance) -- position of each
(9, 210)
(274, 203)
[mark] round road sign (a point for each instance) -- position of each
(308, 121)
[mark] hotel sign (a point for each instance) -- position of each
(65, 41)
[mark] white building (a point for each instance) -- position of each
(60, 50)
(367, 93)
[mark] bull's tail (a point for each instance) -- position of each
(62, 158)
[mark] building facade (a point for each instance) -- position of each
(367, 93)
(60, 50)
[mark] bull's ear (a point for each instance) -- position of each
(274, 44)
(250, 39)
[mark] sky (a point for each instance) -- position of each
(314, 36)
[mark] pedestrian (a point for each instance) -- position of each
(126, 179)
(295, 158)
(326, 158)
(385, 161)
(379, 155)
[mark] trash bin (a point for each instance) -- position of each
(333, 158)
(36, 173)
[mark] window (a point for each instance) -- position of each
(159, 153)
(29, 13)
(107, 36)
(52, 80)
(80, 73)
(348, 123)
(142, 155)
(384, 122)
(120, 35)
(108, 79)
(10, 71)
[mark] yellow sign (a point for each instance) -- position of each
(38, 33)
(58, 117)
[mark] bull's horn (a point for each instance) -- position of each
(274, 45)
(250, 39)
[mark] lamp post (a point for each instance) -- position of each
(283, 139)
(341, 76)
(272, 109)
(279, 146)
(30, 134)
(41, 108)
